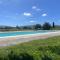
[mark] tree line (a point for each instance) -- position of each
(45, 26)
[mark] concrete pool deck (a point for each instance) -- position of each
(13, 40)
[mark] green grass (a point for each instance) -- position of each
(46, 49)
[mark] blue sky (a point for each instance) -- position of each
(27, 12)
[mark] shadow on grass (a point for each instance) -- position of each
(53, 49)
(45, 57)
(48, 50)
(22, 56)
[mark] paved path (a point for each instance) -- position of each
(8, 41)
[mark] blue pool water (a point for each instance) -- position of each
(4, 34)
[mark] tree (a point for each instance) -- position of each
(17, 27)
(37, 26)
(25, 27)
(46, 26)
(53, 25)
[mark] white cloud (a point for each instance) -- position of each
(27, 14)
(32, 21)
(44, 14)
(34, 7)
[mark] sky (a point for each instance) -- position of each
(29, 12)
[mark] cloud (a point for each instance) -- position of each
(34, 7)
(32, 21)
(44, 14)
(27, 14)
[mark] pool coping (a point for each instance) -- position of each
(13, 40)
(28, 34)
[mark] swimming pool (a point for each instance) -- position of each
(5, 34)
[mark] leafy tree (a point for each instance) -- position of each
(37, 26)
(25, 27)
(46, 26)
(17, 27)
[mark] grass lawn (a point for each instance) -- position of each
(45, 49)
